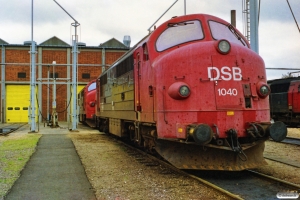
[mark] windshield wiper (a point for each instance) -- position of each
(179, 24)
(236, 34)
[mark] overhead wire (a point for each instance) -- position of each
(293, 15)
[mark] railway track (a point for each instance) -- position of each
(246, 184)
(6, 129)
(166, 168)
(291, 140)
(285, 159)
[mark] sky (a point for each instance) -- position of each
(101, 20)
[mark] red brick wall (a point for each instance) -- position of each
(22, 55)
(89, 57)
(17, 56)
(111, 57)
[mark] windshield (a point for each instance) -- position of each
(92, 86)
(221, 31)
(179, 33)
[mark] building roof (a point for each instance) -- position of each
(3, 42)
(54, 41)
(113, 43)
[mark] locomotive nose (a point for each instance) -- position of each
(277, 131)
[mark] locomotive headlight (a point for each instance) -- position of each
(223, 46)
(179, 91)
(263, 90)
(184, 91)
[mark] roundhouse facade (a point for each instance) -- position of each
(53, 60)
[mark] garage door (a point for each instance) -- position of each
(17, 103)
(79, 88)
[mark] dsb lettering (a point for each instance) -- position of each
(225, 73)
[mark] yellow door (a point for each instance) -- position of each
(17, 103)
(79, 88)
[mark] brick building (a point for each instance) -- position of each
(15, 75)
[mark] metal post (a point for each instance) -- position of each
(3, 92)
(32, 77)
(74, 72)
(184, 7)
(48, 94)
(54, 114)
(254, 25)
(74, 79)
(103, 60)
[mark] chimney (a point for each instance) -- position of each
(127, 40)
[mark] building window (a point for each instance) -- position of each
(21, 74)
(51, 75)
(86, 75)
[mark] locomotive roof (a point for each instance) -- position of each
(158, 30)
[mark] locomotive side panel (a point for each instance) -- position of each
(116, 97)
(144, 86)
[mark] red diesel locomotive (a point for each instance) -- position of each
(193, 91)
(86, 104)
(285, 100)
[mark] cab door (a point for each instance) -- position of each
(144, 90)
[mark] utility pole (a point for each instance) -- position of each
(32, 78)
(54, 113)
(74, 71)
(254, 25)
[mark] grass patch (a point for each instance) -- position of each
(14, 154)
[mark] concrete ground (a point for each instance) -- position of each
(55, 170)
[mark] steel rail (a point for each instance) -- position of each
(289, 184)
(207, 183)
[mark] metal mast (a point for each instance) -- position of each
(246, 18)
(250, 11)
(74, 71)
(32, 77)
(254, 25)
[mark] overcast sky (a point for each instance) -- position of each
(101, 20)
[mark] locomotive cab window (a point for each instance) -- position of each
(179, 33)
(145, 52)
(221, 31)
(92, 87)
